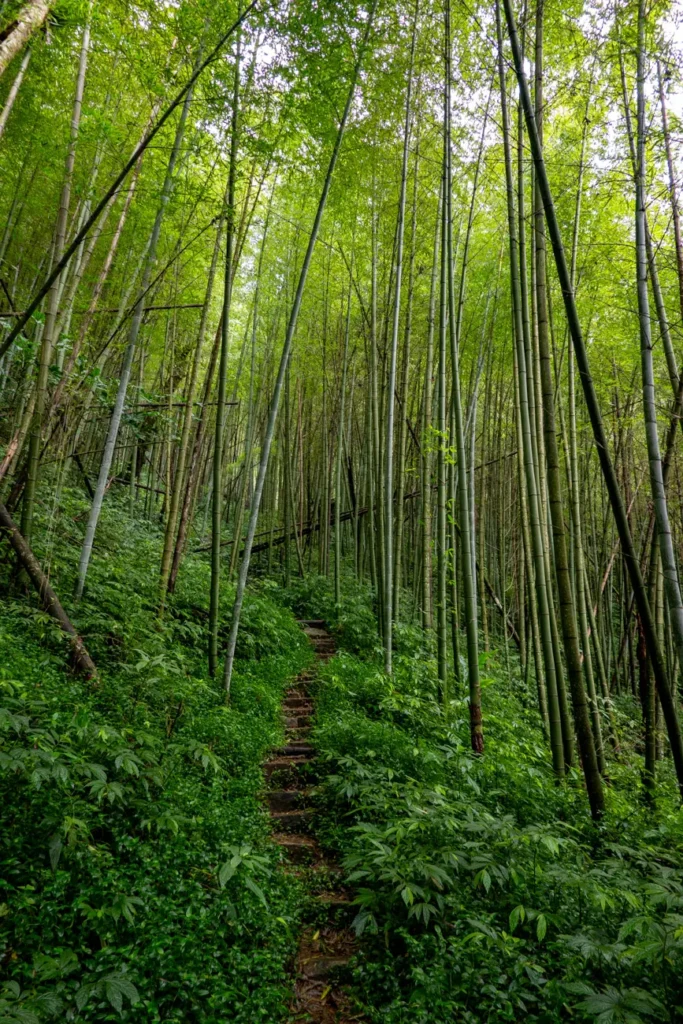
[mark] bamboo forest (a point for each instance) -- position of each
(341, 511)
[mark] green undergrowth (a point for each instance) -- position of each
(137, 882)
(484, 893)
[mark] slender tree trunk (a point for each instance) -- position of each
(252, 410)
(542, 597)
(427, 439)
(570, 635)
(673, 188)
(339, 459)
(217, 507)
(179, 477)
(467, 540)
(50, 601)
(403, 421)
(664, 535)
(49, 332)
(611, 483)
(284, 363)
(391, 385)
(442, 440)
(14, 90)
(136, 322)
(14, 36)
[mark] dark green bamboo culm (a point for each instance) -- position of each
(391, 385)
(284, 363)
(467, 545)
(542, 597)
(568, 620)
(217, 507)
(618, 510)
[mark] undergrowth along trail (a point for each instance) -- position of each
(137, 877)
(480, 891)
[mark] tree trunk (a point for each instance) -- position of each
(117, 413)
(50, 601)
(217, 508)
(14, 89)
(284, 363)
(391, 384)
(14, 37)
(618, 510)
(49, 331)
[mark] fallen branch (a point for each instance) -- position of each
(82, 660)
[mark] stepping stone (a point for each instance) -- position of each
(297, 849)
(292, 821)
(298, 722)
(286, 799)
(300, 704)
(298, 750)
(341, 909)
(322, 966)
(290, 778)
(297, 735)
(285, 763)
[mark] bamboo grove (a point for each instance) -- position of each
(385, 291)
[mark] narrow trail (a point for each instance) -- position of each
(326, 943)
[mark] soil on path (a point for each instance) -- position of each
(327, 943)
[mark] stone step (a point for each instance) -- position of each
(339, 907)
(300, 705)
(292, 821)
(323, 966)
(298, 722)
(297, 849)
(296, 693)
(298, 776)
(297, 735)
(295, 749)
(285, 764)
(287, 799)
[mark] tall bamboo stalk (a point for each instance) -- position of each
(391, 383)
(217, 507)
(618, 510)
(284, 363)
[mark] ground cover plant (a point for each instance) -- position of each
(482, 893)
(138, 882)
(366, 312)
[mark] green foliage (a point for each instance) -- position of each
(482, 891)
(353, 622)
(137, 880)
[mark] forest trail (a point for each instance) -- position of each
(326, 943)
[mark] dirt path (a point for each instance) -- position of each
(326, 943)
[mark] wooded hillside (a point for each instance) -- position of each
(371, 316)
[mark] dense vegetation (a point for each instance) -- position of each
(122, 804)
(369, 313)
